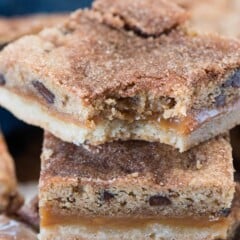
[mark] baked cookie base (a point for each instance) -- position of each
(136, 178)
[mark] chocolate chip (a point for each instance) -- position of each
(220, 100)
(47, 95)
(159, 201)
(2, 80)
(225, 212)
(107, 196)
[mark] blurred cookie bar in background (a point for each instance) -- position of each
(10, 200)
(16, 27)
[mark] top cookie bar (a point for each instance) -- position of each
(102, 79)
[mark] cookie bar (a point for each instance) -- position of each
(221, 16)
(11, 229)
(16, 27)
(10, 200)
(102, 81)
(134, 183)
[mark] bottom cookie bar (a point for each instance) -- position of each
(61, 228)
(135, 190)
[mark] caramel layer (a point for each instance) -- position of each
(50, 218)
(182, 126)
(195, 119)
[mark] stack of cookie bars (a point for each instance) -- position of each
(136, 109)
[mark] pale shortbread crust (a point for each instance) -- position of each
(151, 232)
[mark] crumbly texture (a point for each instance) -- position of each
(16, 27)
(11, 229)
(134, 178)
(10, 199)
(89, 71)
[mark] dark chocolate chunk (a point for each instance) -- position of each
(225, 212)
(159, 201)
(2, 80)
(47, 95)
(107, 196)
(220, 100)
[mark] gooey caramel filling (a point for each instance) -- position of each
(182, 126)
(50, 218)
(193, 120)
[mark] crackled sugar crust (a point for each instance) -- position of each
(16, 27)
(129, 179)
(10, 199)
(108, 66)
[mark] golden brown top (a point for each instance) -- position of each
(152, 163)
(13, 28)
(147, 17)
